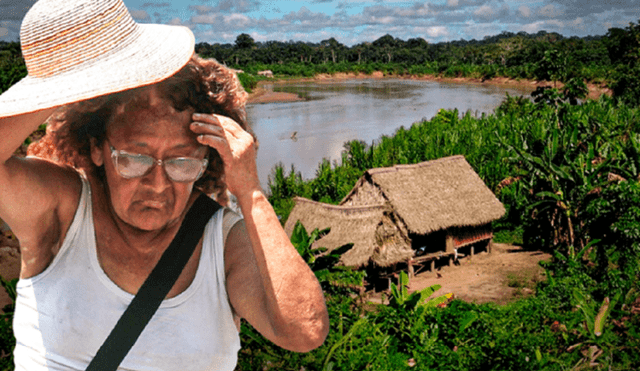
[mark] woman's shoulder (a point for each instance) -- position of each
(38, 187)
(45, 198)
(229, 219)
(63, 183)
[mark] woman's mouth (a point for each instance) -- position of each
(153, 204)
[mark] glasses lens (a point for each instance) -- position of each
(185, 169)
(133, 166)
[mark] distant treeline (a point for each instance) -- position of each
(507, 49)
(611, 58)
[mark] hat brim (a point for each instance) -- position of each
(158, 52)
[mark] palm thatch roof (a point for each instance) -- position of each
(430, 196)
(375, 237)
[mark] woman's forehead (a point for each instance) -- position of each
(157, 119)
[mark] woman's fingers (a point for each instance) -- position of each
(225, 123)
(218, 143)
(221, 126)
(203, 128)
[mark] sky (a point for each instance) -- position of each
(355, 21)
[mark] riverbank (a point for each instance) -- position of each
(262, 95)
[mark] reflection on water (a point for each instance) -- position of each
(337, 112)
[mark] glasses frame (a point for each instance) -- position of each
(159, 162)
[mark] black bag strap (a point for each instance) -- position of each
(155, 288)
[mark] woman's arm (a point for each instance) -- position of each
(269, 284)
(15, 129)
(37, 198)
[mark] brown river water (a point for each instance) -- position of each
(364, 109)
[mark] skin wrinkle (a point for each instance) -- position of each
(125, 132)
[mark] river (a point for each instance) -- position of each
(364, 109)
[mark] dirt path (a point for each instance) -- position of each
(507, 273)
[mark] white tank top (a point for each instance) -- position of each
(64, 314)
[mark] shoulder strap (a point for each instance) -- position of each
(155, 288)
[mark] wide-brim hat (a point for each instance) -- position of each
(81, 49)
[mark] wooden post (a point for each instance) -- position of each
(433, 265)
(450, 262)
(410, 270)
(449, 246)
(471, 252)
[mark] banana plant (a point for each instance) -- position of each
(595, 317)
(400, 297)
(562, 168)
(325, 265)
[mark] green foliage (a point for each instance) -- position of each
(249, 82)
(283, 187)
(623, 46)
(244, 41)
(333, 278)
(613, 219)
(400, 299)
(595, 318)
(12, 66)
(7, 340)
(561, 158)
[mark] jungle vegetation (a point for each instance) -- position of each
(567, 170)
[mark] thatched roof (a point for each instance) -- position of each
(364, 226)
(432, 195)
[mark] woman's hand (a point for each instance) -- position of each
(236, 147)
(268, 283)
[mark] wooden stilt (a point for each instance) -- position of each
(433, 265)
(410, 270)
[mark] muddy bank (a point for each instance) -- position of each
(261, 95)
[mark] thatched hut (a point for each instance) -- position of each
(404, 212)
(367, 227)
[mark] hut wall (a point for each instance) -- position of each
(463, 236)
(365, 194)
(392, 246)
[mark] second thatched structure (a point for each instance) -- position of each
(405, 212)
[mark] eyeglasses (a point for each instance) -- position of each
(178, 169)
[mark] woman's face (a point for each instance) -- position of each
(153, 201)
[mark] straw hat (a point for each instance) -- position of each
(81, 49)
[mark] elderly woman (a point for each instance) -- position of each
(138, 130)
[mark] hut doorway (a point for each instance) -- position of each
(430, 243)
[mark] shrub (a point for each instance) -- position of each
(248, 82)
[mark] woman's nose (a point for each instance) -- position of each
(157, 177)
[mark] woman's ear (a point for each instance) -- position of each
(96, 153)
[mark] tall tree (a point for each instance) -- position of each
(387, 44)
(244, 41)
(334, 47)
